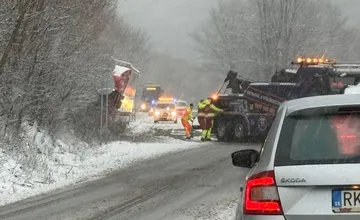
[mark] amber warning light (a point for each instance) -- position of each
(313, 61)
(166, 99)
(214, 97)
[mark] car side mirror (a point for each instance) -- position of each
(245, 158)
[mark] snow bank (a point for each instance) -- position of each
(64, 164)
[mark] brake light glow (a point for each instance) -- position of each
(346, 135)
(261, 195)
(337, 84)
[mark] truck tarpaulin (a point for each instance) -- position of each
(122, 98)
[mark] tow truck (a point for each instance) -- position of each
(248, 116)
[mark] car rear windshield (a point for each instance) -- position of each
(182, 104)
(164, 106)
(321, 139)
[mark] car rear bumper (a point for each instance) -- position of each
(261, 217)
(165, 118)
(180, 112)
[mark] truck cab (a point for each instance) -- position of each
(150, 96)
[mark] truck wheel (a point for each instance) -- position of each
(222, 130)
(240, 130)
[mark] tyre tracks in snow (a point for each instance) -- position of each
(135, 203)
(130, 192)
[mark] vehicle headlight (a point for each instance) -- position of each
(151, 110)
(143, 106)
(157, 113)
(173, 113)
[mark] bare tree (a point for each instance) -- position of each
(259, 37)
(52, 52)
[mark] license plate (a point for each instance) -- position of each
(346, 201)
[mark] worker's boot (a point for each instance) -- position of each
(208, 139)
(188, 138)
(202, 139)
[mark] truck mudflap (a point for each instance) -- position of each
(267, 97)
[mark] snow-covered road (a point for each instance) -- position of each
(199, 183)
(170, 179)
(146, 123)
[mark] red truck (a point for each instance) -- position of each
(122, 99)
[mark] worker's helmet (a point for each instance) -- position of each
(191, 105)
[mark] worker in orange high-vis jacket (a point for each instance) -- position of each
(187, 116)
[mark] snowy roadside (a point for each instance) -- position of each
(61, 167)
(222, 209)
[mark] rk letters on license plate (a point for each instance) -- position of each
(346, 200)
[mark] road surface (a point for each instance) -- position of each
(184, 185)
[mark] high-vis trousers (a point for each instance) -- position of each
(187, 127)
(206, 134)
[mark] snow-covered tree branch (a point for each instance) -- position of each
(52, 53)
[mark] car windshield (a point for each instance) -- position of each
(324, 139)
(165, 105)
(181, 104)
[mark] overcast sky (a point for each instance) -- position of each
(169, 22)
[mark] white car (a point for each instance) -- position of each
(308, 167)
(181, 107)
(352, 89)
(165, 112)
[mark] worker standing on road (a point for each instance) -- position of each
(185, 121)
(201, 115)
(210, 111)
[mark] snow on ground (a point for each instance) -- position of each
(66, 164)
(145, 123)
(222, 209)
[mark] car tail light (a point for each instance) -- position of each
(261, 195)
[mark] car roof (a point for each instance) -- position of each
(294, 105)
